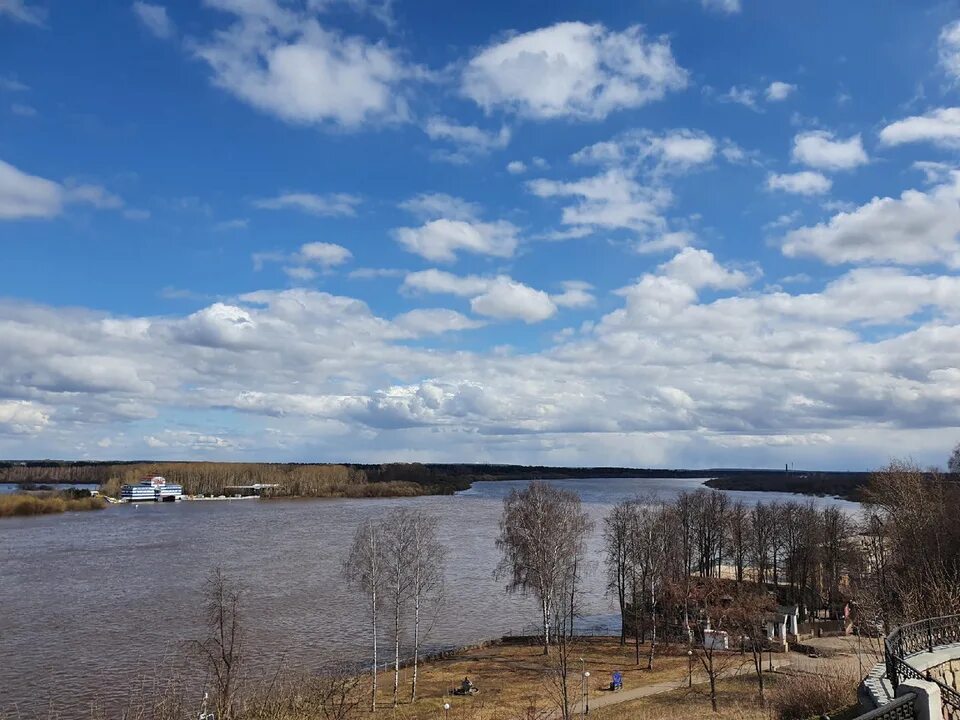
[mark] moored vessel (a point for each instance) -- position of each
(153, 489)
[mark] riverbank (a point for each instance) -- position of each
(517, 681)
(843, 485)
(25, 504)
(354, 480)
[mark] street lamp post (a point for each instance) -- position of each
(446, 710)
(689, 668)
(586, 692)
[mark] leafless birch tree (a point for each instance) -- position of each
(221, 651)
(541, 533)
(365, 568)
(426, 567)
(397, 533)
(616, 537)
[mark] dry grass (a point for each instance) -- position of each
(737, 699)
(806, 695)
(21, 504)
(514, 678)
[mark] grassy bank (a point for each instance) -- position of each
(289, 480)
(23, 504)
(846, 485)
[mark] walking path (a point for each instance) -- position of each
(843, 657)
(607, 697)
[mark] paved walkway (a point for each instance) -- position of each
(840, 655)
(606, 698)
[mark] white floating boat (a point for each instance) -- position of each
(154, 489)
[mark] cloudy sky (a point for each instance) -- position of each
(658, 232)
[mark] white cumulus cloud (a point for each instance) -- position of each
(507, 299)
(806, 182)
(22, 417)
(918, 228)
(287, 64)
(325, 254)
(698, 269)
(572, 69)
(778, 91)
(822, 150)
(940, 126)
(24, 196)
(500, 297)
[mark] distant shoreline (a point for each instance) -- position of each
(404, 479)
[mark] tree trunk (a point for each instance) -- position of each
(636, 633)
(758, 666)
(623, 614)
(546, 626)
(653, 628)
(713, 683)
(416, 643)
(373, 699)
(396, 650)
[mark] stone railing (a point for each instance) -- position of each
(922, 660)
(910, 651)
(902, 708)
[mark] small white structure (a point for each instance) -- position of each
(716, 639)
(154, 489)
(783, 623)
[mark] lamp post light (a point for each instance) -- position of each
(583, 669)
(689, 668)
(446, 710)
(586, 692)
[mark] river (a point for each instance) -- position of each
(91, 600)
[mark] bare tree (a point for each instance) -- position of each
(647, 551)
(779, 530)
(616, 540)
(747, 612)
(738, 530)
(397, 533)
(561, 668)
(221, 651)
(917, 514)
(953, 464)
(541, 532)
(836, 548)
(365, 568)
(761, 525)
(334, 695)
(427, 558)
(719, 615)
(337, 694)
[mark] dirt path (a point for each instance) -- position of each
(605, 698)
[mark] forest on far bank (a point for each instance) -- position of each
(400, 479)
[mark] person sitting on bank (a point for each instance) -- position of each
(466, 686)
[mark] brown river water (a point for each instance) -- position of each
(89, 602)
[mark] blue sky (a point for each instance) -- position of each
(667, 232)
